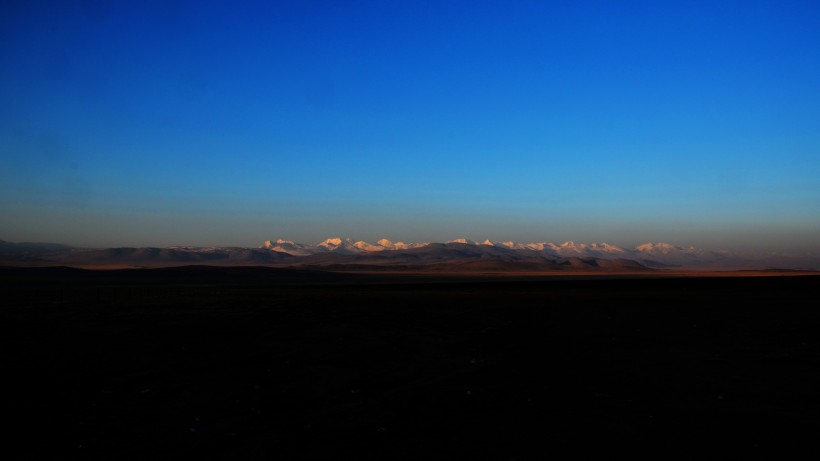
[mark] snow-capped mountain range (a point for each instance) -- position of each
(336, 245)
(455, 255)
(661, 253)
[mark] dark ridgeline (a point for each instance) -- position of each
(261, 363)
(434, 257)
(455, 256)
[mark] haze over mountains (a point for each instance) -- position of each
(455, 255)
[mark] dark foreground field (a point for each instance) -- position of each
(254, 363)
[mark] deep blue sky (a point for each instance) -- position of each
(140, 123)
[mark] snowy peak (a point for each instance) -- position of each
(657, 248)
(465, 241)
(334, 242)
(540, 246)
(388, 245)
(287, 246)
(281, 243)
(364, 246)
(339, 245)
(607, 247)
(664, 253)
(336, 245)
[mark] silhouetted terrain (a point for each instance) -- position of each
(453, 256)
(264, 363)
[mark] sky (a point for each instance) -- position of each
(215, 123)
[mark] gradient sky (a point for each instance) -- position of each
(208, 123)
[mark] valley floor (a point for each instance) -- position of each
(257, 363)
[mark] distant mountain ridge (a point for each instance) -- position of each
(664, 253)
(650, 254)
(459, 254)
(336, 244)
(28, 251)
